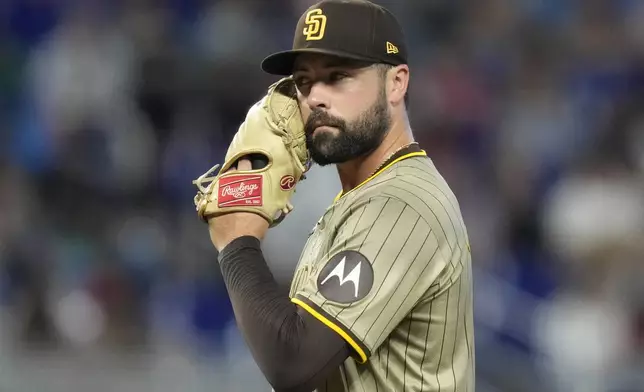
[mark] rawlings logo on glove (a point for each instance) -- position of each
(287, 182)
(272, 130)
(240, 190)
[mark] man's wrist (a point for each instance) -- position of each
(228, 227)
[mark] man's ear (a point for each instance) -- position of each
(398, 81)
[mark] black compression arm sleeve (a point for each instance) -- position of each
(295, 351)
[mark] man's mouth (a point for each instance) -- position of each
(323, 126)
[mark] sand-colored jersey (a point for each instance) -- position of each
(388, 268)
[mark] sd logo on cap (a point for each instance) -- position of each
(315, 22)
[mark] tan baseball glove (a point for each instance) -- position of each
(272, 131)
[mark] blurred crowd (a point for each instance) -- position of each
(532, 109)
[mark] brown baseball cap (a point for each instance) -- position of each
(354, 29)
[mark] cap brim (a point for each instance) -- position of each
(282, 63)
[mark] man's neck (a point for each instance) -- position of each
(356, 171)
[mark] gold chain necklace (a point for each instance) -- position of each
(384, 163)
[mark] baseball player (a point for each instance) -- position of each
(381, 299)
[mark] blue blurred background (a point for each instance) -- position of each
(532, 109)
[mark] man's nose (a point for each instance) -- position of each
(318, 97)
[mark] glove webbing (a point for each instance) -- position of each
(288, 138)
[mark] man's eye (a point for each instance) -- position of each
(300, 82)
(336, 76)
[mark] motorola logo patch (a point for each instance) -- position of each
(346, 278)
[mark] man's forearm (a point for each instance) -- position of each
(292, 348)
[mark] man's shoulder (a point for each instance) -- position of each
(412, 186)
(417, 183)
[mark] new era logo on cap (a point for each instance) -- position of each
(391, 48)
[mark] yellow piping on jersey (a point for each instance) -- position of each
(411, 154)
(334, 327)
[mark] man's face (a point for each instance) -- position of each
(344, 106)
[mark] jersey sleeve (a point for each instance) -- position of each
(383, 260)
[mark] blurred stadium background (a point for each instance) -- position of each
(532, 109)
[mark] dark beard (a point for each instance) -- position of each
(353, 140)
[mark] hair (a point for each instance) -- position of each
(382, 69)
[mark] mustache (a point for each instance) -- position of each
(320, 118)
